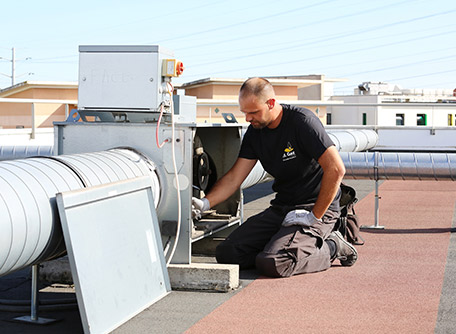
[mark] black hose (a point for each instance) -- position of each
(23, 308)
(41, 302)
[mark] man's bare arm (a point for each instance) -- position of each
(333, 172)
(230, 182)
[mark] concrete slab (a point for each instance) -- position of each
(204, 276)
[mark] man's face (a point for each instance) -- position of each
(257, 112)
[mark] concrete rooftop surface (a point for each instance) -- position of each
(403, 282)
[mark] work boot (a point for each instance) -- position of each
(345, 253)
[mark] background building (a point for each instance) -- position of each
(217, 98)
(382, 104)
(36, 104)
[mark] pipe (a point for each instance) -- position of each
(13, 152)
(353, 140)
(345, 140)
(30, 230)
(256, 176)
(399, 166)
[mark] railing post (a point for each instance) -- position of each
(377, 198)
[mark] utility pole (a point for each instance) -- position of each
(13, 67)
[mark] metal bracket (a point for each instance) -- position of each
(33, 318)
(229, 117)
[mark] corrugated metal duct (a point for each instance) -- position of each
(354, 140)
(399, 166)
(256, 176)
(12, 152)
(345, 141)
(30, 229)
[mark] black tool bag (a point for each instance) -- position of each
(348, 223)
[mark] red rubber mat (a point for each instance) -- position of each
(393, 288)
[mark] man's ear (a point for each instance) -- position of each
(271, 103)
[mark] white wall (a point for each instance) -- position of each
(386, 116)
(416, 138)
(43, 136)
(353, 115)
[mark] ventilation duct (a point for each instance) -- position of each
(354, 140)
(30, 229)
(23, 151)
(344, 140)
(399, 166)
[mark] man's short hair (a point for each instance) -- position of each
(259, 87)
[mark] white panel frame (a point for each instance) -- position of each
(115, 251)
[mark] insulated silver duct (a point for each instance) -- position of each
(353, 140)
(399, 166)
(256, 176)
(345, 141)
(12, 152)
(30, 229)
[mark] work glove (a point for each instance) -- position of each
(300, 217)
(199, 206)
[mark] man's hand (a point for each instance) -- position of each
(300, 217)
(199, 206)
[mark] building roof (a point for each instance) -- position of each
(298, 80)
(5, 92)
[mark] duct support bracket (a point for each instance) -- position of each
(34, 318)
(376, 225)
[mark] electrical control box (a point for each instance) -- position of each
(122, 77)
(172, 68)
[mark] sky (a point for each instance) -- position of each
(410, 43)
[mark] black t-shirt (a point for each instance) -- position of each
(290, 153)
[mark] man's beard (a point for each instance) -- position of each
(259, 125)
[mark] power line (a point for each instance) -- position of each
(400, 66)
(422, 75)
(307, 43)
(162, 14)
(13, 61)
(340, 53)
(247, 21)
(409, 77)
(390, 58)
(275, 31)
(52, 58)
(292, 48)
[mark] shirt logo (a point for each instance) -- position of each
(288, 153)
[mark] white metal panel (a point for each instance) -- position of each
(115, 251)
(119, 80)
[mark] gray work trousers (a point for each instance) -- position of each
(279, 251)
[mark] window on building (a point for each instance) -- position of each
(364, 118)
(400, 119)
(328, 118)
(450, 120)
(421, 119)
